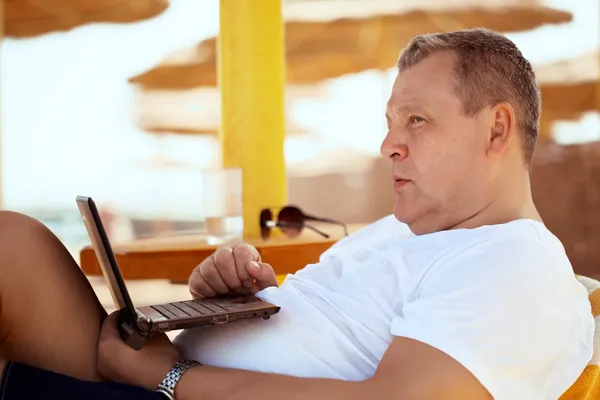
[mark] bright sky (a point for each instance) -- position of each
(66, 103)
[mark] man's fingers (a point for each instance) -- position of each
(226, 272)
(263, 274)
(225, 264)
(199, 289)
(242, 254)
(212, 277)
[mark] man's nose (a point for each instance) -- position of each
(393, 146)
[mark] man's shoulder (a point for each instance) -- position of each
(522, 249)
(520, 237)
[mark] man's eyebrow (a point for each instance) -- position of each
(406, 109)
(410, 108)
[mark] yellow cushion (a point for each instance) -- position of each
(280, 279)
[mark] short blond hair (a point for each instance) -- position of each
(489, 69)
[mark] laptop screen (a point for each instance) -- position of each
(106, 257)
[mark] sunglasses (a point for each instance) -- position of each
(291, 221)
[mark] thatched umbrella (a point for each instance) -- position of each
(198, 111)
(28, 18)
(327, 39)
(569, 88)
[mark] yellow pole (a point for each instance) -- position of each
(251, 79)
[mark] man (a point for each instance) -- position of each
(469, 296)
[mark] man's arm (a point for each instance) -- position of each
(409, 370)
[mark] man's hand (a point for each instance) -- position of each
(236, 269)
(118, 362)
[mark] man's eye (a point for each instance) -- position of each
(415, 119)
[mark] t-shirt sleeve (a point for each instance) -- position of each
(500, 310)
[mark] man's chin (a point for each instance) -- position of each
(417, 223)
(403, 214)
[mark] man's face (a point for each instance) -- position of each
(440, 169)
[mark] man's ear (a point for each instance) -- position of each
(502, 128)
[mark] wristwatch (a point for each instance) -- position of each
(167, 386)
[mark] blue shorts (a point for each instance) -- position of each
(23, 382)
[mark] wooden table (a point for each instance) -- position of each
(175, 257)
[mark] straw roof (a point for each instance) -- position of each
(28, 18)
(327, 39)
(585, 68)
(198, 111)
(569, 89)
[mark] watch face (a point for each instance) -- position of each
(163, 394)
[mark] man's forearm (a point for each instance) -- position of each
(208, 383)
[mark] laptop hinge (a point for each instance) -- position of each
(143, 322)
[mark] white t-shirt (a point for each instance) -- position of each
(502, 300)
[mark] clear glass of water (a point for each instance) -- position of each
(222, 204)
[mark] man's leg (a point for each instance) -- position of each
(49, 315)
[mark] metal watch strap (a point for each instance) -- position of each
(167, 386)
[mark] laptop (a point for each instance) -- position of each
(140, 323)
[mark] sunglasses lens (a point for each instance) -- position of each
(291, 221)
(265, 230)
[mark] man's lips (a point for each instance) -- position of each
(399, 182)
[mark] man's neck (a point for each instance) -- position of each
(512, 201)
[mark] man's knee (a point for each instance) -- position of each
(25, 243)
(16, 228)
(14, 220)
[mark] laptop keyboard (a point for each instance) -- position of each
(194, 308)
